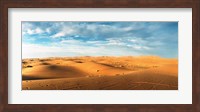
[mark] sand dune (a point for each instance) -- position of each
(100, 73)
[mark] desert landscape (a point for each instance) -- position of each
(100, 73)
(99, 55)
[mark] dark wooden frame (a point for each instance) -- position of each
(5, 4)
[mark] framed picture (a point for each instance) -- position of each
(62, 55)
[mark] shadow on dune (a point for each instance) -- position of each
(33, 78)
(52, 72)
(106, 65)
(44, 63)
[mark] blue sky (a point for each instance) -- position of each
(55, 39)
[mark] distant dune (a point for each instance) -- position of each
(100, 73)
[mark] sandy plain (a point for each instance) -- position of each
(100, 73)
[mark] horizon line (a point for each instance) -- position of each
(101, 56)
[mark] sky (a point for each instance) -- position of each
(67, 39)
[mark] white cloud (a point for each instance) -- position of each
(115, 42)
(127, 28)
(26, 25)
(48, 30)
(73, 48)
(68, 30)
(32, 31)
(65, 31)
(38, 31)
(138, 47)
(91, 30)
(60, 34)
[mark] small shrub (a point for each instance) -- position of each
(29, 66)
(24, 62)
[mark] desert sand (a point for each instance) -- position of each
(100, 73)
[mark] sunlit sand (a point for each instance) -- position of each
(100, 73)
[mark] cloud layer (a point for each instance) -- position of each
(49, 39)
